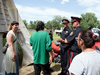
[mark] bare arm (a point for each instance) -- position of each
(10, 42)
(50, 59)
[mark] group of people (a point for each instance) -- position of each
(69, 48)
(78, 42)
(77, 55)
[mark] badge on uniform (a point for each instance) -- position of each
(71, 33)
(66, 32)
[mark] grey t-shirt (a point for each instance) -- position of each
(86, 63)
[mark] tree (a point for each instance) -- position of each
(58, 18)
(31, 25)
(55, 24)
(35, 22)
(25, 22)
(88, 20)
(98, 25)
(58, 21)
(48, 25)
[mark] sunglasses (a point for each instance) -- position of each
(77, 38)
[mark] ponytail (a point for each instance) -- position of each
(89, 38)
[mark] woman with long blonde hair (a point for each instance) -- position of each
(11, 56)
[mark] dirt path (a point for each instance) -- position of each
(29, 70)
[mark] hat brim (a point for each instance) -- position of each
(73, 21)
(65, 23)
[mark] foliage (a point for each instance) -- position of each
(55, 24)
(59, 19)
(48, 25)
(25, 22)
(32, 24)
(88, 20)
(20, 57)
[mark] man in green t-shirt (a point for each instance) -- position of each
(42, 50)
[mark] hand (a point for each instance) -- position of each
(66, 41)
(59, 40)
(14, 57)
(18, 53)
(50, 60)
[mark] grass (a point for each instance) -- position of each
(31, 32)
(55, 37)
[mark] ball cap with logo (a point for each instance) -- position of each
(74, 19)
(64, 21)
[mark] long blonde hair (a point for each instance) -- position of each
(11, 24)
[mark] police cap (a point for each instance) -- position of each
(65, 21)
(74, 19)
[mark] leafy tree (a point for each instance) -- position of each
(25, 22)
(48, 25)
(55, 24)
(35, 22)
(58, 21)
(88, 20)
(58, 18)
(31, 25)
(98, 26)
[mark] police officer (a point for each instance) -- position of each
(63, 47)
(73, 47)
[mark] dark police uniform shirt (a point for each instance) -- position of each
(73, 43)
(65, 33)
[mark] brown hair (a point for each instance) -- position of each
(11, 24)
(89, 40)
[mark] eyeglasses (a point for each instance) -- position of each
(78, 38)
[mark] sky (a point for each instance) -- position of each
(45, 10)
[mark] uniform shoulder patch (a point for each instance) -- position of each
(71, 33)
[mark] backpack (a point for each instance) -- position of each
(96, 45)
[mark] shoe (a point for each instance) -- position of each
(51, 70)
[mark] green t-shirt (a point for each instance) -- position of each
(41, 46)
